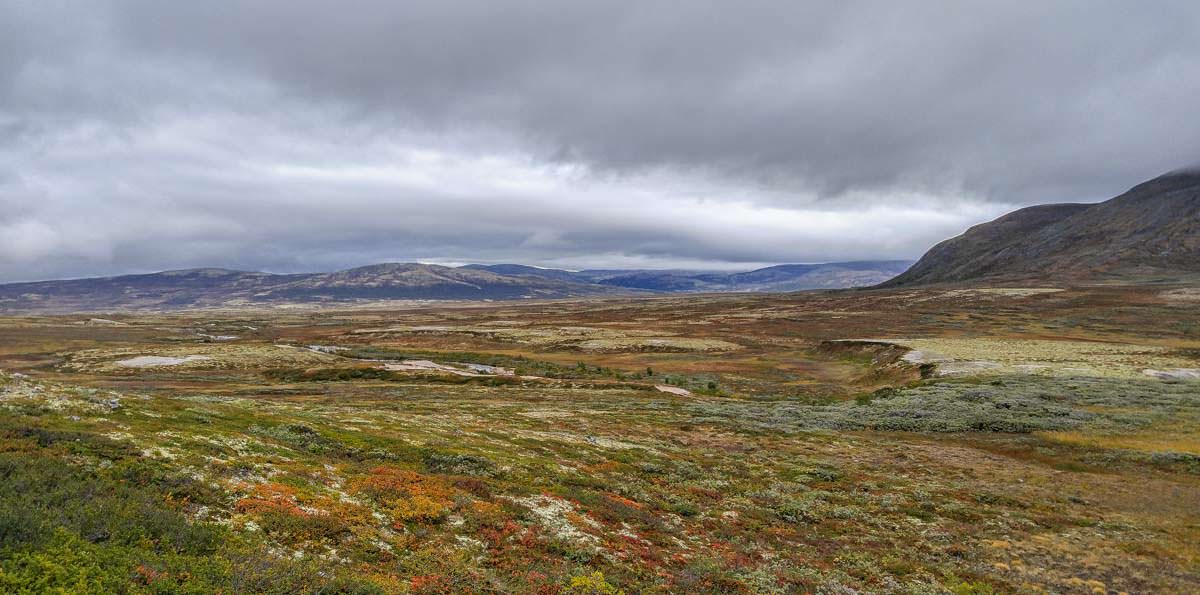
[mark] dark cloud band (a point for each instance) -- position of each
(306, 134)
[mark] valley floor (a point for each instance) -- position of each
(921, 441)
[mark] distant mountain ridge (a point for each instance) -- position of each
(786, 277)
(1149, 233)
(214, 287)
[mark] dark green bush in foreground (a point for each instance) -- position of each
(66, 528)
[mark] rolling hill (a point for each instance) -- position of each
(786, 277)
(220, 287)
(213, 287)
(1150, 233)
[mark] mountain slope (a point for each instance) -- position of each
(785, 277)
(423, 281)
(406, 281)
(169, 289)
(521, 269)
(218, 287)
(1150, 232)
(832, 275)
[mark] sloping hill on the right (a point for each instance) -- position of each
(1149, 234)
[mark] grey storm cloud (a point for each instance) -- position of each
(300, 135)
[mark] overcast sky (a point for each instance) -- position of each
(299, 135)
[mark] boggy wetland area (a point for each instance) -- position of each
(905, 441)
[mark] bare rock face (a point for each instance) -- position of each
(1150, 233)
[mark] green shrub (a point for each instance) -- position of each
(800, 511)
(65, 528)
(456, 464)
(64, 564)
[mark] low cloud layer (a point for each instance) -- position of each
(290, 136)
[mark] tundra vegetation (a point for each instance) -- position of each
(915, 441)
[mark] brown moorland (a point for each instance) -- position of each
(912, 441)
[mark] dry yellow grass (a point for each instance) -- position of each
(1177, 437)
(1049, 357)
